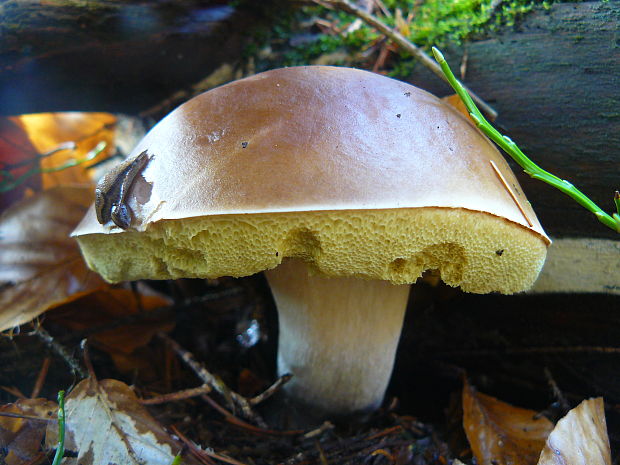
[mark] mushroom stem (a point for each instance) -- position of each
(338, 337)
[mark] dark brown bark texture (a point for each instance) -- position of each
(554, 79)
(105, 55)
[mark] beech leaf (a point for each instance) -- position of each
(22, 437)
(501, 434)
(105, 424)
(40, 265)
(579, 438)
(455, 101)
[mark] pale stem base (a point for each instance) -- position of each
(338, 337)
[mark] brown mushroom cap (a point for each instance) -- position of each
(356, 173)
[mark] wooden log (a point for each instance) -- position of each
(581, 265)
(105, 55)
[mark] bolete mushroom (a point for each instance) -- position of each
(344, 186)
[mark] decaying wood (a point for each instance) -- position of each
(581, 265)
(103, 55)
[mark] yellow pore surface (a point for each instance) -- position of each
(477, 251)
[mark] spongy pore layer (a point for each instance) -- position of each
(477, 251)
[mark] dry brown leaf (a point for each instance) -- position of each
(501, 434)
(455, 101)
(579, 438)
(40, 265)
(49, 130)
(105, 423)
(22, 437)
(107, 306)
(15, 150)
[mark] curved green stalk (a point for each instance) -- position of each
(60, 448)
(531, 168)
(8, 182)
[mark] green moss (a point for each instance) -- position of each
(296, 39)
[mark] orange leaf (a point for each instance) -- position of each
(22, 437)
(40, 265)
(455, 101)
(501, 434)
(579, 437)
(47, 131)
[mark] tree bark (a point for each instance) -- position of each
(105, 55)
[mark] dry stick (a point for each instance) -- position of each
(14, 392)
(271, 390)
(326, 426)
(230, 418)
(26, 417)
(61, 351)
(38, 385)
(557, 393)
(404, 43)
(232, 398)
(87, 361)
(179, 395)
(321, 453)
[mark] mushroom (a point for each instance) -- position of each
(344, 186)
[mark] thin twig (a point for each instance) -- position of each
(38, 385)
(230, 418)
(24, 417)
(233, 399)
(384, 9)
(14, 392)
(176, 396)
(322, 457)
(557, 393)
(326, 426)
(271, 390)
(514, 197)
(60, 350)
(403, 42)
(86, 355)
(12, 182)
(39, 156)
(218, 77)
